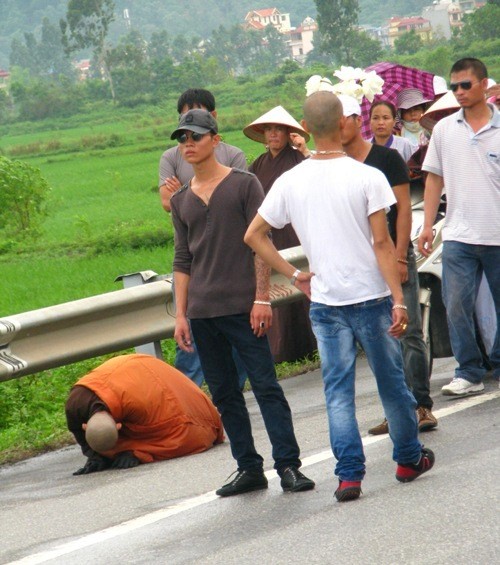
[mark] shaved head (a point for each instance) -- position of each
(322, 114)
(101, 433)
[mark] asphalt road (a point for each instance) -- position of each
(168, 513)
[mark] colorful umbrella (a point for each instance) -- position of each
(396, 78)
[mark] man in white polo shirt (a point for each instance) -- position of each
(464, 158)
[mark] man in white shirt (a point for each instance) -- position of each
(337, 207)
(464, 157)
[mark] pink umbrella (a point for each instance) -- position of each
(396, 78)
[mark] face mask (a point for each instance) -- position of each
(413, 127)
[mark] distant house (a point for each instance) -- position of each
(82, 68)
(299, 40)
(469, 6)
(302, 39)
(444, 15)
(4, 78)
(447, 15)
(259, 19)
(399, 26)
(379, 34)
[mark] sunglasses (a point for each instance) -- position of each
(194, 136)
(464, 85)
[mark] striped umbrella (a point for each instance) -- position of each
(396, 78)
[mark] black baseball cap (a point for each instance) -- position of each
(197, 120)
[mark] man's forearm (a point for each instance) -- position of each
(265, 250)
(432, 197)
(181, 282)
(386, 259)
(403, 221)
(263, 279)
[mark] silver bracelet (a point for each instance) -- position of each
(262, 302)
(296, 273)
(399, 307)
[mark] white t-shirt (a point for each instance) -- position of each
(328, 203)
(470, 166)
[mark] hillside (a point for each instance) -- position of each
(198, 17)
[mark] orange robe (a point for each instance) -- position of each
(162, 412)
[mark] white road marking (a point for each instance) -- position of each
(190, 503)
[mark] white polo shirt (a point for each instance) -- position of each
(470, 166)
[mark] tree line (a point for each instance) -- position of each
(139, 70)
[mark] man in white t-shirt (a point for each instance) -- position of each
(337, 206)
(464, 157)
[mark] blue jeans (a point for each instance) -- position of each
(463, 266)
(215, 338)
(337, 329)
(416, 364)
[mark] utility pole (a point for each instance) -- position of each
(126, 17)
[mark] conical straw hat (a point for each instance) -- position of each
(277, 116)
(443, 107)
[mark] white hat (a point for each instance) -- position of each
(443, 107)
(278, 116)
(439, 85)
(350, 106)
(410, 97)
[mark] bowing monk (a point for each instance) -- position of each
(136, 409)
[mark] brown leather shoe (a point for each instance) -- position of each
(426, 419)
(382, 428)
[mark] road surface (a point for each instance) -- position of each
(168, 513)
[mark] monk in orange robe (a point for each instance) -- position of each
(136, 409)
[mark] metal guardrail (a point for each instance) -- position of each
(138, 316)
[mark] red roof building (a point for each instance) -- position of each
(258, 19)
(400, 26)
(4, 78)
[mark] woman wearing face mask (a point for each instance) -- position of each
(411, 107)
(382, 122)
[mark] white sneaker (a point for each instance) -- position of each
(462, 387)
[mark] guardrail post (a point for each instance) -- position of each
(137, 279)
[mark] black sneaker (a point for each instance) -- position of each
(410, 471)
(245, 481)
(292, 480)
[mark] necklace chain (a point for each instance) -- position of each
(328, 152)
